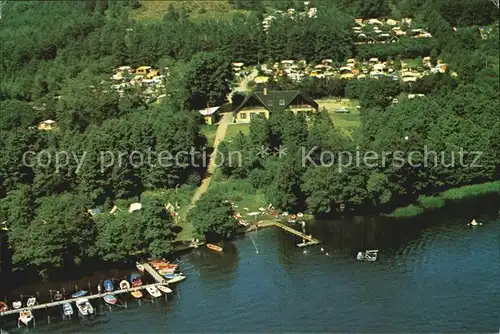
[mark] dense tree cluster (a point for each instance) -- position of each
(57, 58)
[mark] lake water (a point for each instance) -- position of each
(432, 275)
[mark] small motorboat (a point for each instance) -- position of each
(17, 304)
(176, 279)
(136, 294)
(214, 247)
(169, 276)
(31, 302)
(153, 291)
(84, 307)
(108, 285)
(369, 255)
(79, 294)
(124, 285)
(110, 299)
(164, 289)
(474, 223)
(139, 267)
(3, 307)
(135, 280)
(67, 310)
(166, 266)
(26, 317)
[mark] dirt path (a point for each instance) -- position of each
(219, 136)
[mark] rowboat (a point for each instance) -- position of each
(3, 307)
(167, 271)
(67, 310)
(84, 307)
(164, 289)
(176, 279)
(139, 267)
(124, 285)
(80, 293)
(110, 299)
(214, 247)
(26, 317)
(31, 302)
(136, 294)
(166, 266)
(108, 285)
(58, 296)
(135, 280)
(17, 304)
(153, 291)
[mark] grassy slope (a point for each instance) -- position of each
(154, 10)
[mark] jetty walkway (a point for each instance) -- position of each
(307, 240)
(160, 280)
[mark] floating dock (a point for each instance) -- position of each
(307, 240)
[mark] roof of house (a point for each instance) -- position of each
(209, 111)
(271, 100)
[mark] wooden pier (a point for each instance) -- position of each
(158, 278)
(307, 240)
(71, 300)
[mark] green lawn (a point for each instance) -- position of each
(346, 123)
(233, 129)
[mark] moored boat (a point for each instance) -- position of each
(164, 289)
(167, 271)
(80, 293)
(108, 285)
(135, 280)
(124, 285)
(31, 302)
(67, 309)
(176, 279)
(139, 267)
(17, 304)
(84, 307)
(26, 317)
(369, 255)
(214, 247)
(153, 291)
(136, 294)
(3, 307)
(110, 299)
(58, 296)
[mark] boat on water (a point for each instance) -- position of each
(153, 291)
(79, 294)
(164, 289)
(108, 285)
(26, 318)
(176, 279)
(31, 302)
(124, 285)
(136, 294)
(67, 310)
(110, 299)
(135, 280)
(139, 267)
(167, 271)
(3, 307)
(214, 247)
(17, 304)
(58, 296)
(368, 255)
(84, 307)
(166, 266)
